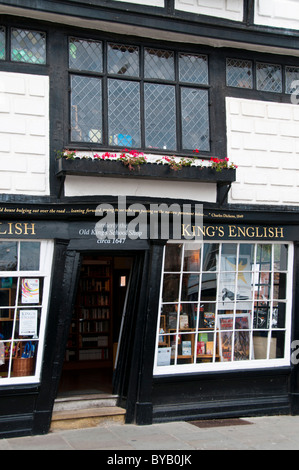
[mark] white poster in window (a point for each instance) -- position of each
(28, 323)
(30, 291)
(163, 356)
(235, 282)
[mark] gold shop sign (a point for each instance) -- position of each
(234, 232)
(17, 228)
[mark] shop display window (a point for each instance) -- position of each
(224, 306)
(25, 268)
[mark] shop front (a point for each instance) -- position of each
(176, 328)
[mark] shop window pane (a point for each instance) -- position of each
(241, 346)
(169, 316)
(173, 255)
(8, 289)
(31, 291)
(86, 109)
(27, 323)
(193, 68)
(171, 287)
(158, 64)
(239, 73)
(242, 320)
(280, 257)
(190, 287)
(160, 116)
(264, 257)
(192, 257)
(280, 286)
(28, 46)
(85, 55)
(291, 75)
(207, 316)
(124, 113)
(278, 315)
(29, 256)
(260, 345)
(195, 119)
(186, 351)
(24, 359)
(2, 43)
(269, 78)
(210, 256)
(188, 316)
(277, 345)
(208, 287)
(246, 256)
(225, 346)
(8, 256)
(261, 318)
(123, 60)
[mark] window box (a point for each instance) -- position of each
(110, 168)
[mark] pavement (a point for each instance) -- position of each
(168, 439)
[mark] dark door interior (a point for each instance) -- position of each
(94, 336)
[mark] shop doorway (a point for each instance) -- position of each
(95, 330)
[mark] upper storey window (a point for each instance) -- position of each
(24, 46)
(138, 97)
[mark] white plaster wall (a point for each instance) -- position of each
(277, 13)
(24, 134)
(152, 3)
(228, 9)
(263, 140)
(96, 186)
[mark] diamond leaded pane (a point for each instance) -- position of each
(194, 68)
(2, 43)
(86, 109)
(269, 78)
(195, 119)
(239, 73)
(160, 116)
(159, 64)
(124, 113)
(85, 55)
(292, 75)
(28, 46)
(123, 60)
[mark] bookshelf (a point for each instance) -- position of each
(90, 338)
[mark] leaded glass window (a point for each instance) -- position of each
(292, 75)
(269, 78)
(133, 96)
(239, 73)
(28, 46)
(2, 43)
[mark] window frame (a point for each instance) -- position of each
(250, 364)
(44, 272)
(178, 85)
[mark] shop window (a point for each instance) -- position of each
(224, 306)
(141, 93)
(28, 46)
(25, 268)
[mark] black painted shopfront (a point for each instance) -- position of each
(188, 389)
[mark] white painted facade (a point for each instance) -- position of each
(277, 13)
(24, 134)
(228, 9)
(263, 140)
